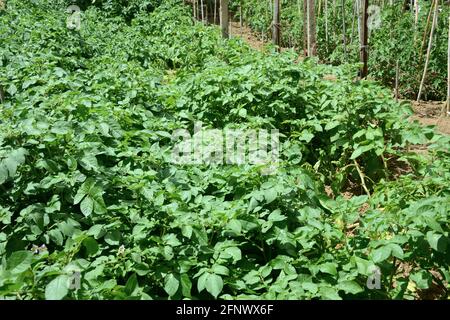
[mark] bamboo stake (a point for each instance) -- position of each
(430, 43)
(397, 72)
(241, 20)
(416, 8)
(448, 71)
(276, 23)
(344, 37)
(326, 23)
(308, 27)
(353, 21)
(426, 30)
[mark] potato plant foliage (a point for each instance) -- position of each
(87, 186)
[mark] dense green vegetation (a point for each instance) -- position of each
(87, 185)
(396, 38)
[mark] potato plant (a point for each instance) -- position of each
(91, 206)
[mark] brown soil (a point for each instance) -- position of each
(247, 35)
(430, 113)
(253, 39)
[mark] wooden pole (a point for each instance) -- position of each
(426, 29)
(326, 23)
(397, 75)
(201, 11)
(353, 20)
(344, 37)
(311, 21)
(195, 9)
(276, 23)
(416, 11)
(241, 18)
(430, 44)
(215, 11)
(448, 71)
(224, 20)
(305, 28)
(364, 53)
(2, 95)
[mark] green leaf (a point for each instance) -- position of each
(243, 113)
(214, 284)
(332, 125)
(85, 189)
(201, 282)
(350, 287)
(329, 293)
(397, 251)
(360, 150)
(437, 242)
(423, 279)
(276, 216)
(171, 284)
(234, 252)
(131, 285)
(9, 165)
(222, 270)
(58, 288)
(87, 206)
(91, 246)
(113, 238)
(186, 285)
(270, 195)
(19, 261)
(12, 89)
(311, 287)
(56, 236)
(328, 267)
(381, 254)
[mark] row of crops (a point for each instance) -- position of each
(395, 36)
(91, 207)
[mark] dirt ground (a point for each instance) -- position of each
(430, 113)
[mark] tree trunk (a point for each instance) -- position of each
(224, 20)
